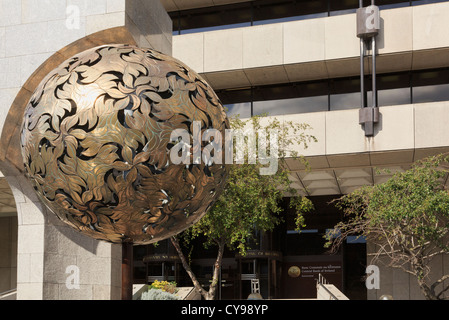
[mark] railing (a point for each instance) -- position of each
(8, 295)
(322, 282)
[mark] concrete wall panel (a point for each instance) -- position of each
(222, 50)
(317, 122)
(431, 124)
(192, 47)
(430, 25)
(394, 35)
(397, 122)
(304, 41)
(344, 134)
(340, 37)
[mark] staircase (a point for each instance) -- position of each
(327, 291)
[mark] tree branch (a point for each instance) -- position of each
(436, 283)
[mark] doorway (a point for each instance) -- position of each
(264, 266)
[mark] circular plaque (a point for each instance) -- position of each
(294, 271)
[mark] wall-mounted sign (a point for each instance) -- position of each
(299, 276)
(251, 254)
(161, 257)
(312, 271)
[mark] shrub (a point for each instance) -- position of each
(158, 294)
(166, 286)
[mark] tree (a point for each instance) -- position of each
(250, 200)
(407, 218)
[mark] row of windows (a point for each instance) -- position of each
(337, 94)
(270, 11)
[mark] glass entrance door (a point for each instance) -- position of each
(266, 270)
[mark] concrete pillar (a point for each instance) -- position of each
(53, 260)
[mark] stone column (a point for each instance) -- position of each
(53, 260)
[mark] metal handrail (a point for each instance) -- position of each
(321, 281)
(4, 293)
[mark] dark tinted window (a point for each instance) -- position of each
(338, 94)
(270, 11)
(393, 89)
(344, 93)
(237, 14)
(242, 110)
(291, 106)
(430, 85)
(278, 10)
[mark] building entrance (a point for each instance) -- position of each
(286, 262)
(264, 266)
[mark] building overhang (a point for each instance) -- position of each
(343, 159)
(344, 173)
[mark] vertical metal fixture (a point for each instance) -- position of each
(374, 87)
(368, 25)
(362, 66)
(376, 23)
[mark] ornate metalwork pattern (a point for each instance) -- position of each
(96, 144)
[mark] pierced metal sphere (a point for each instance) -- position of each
(96, 144)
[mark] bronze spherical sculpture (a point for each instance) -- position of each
(96, 144)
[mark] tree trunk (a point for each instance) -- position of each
(217, 268)
(207, 295)
(189, 271)
(428, 293)
(419, 267)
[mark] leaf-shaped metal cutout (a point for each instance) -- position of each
(95, 143)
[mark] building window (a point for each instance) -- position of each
(345, 101)
(290, 99)
(392, 97)
(242, 110)
(259, 12)
(273, 11)
(431, 85)
(393, 89)
(337, 94)
(212, 18)
(344, 94)
(431, 93)
(291, 106)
